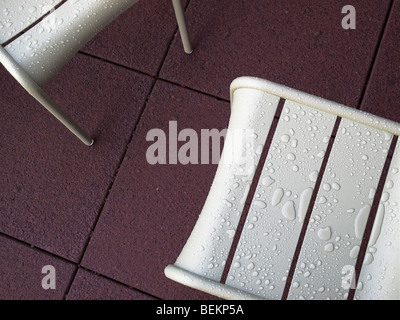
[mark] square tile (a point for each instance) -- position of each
(298, 44)
(23, 269)
(89, 286)
(382, 96)
(139, 38)
(152, 209)
(53, 186)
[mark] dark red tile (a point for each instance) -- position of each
(89, 286)
(52, 184)
(152, 209)
(382, 96)
(139, 38)
(21, 272)
(297, 43)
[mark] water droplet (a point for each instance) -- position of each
(325, 233)
(385, 196)
(305, 198)
(326, 187)
(231, 233)
(285, 138)
(260, 204)
(228, 203)
(354, 252)
(313, 176)
(289, 211)
(371, 194)
(361, 221)
(250, 266)
(368, 258)
(329, 247)
(267, 181)
(322, 200)
(376, 229)
(321, 154)
(291, 157)
(277, 197)
(389, 184)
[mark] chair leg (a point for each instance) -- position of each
(61, 116)
(180, 17)
(40, 95)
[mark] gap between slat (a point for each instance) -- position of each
(252, 190)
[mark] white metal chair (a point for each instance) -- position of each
(303, 235)
(39, 37)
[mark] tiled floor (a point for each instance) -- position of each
(108, 221)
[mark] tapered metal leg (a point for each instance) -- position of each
(180, 17)
(56, 111)
(38, 93)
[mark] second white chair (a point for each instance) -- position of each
(311, 190)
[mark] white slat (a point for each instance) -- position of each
(337, 224)
(208, 247)
(380, 274)
(17, 15)
(278, 209)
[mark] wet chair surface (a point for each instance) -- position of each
(304, 234)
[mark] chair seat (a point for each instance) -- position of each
(38, 37)
(17, 15)
(45, 48)
(312, 192)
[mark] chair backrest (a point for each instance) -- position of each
(46, 47)
(292, 225)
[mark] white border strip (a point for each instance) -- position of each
(206, 285)
(317, 103)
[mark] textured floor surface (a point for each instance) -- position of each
(107, 220)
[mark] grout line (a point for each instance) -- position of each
(119, 282)
(66, 260)
(375, 55)
(110, 187)
(156, 77)
(252, 191)
(371, 218)
(44, 251)
(310, 209)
